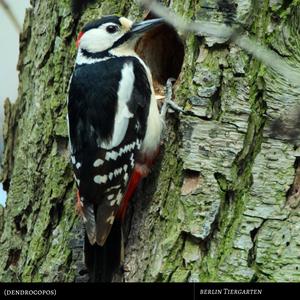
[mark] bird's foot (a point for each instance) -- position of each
(168, 102)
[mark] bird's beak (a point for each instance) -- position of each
(141, 27)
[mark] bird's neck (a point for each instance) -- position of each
(86, 57)
(123, 50)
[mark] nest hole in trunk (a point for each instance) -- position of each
(163, 51)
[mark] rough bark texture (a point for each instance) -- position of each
(222, 203)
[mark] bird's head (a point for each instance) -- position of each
(111, 32)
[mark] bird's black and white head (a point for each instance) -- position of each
(100, 38)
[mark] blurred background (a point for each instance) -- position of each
(12, 14)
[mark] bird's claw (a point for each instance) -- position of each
(168, 102)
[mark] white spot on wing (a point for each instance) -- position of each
(98, 162)
(111, 155)
(123, 114)
(113, 188)
(73, 159)
(119, 198)
(110, 219)
(117, 172)
(125, 177)
(131, 160)
(138, 144)
(100, 179)
(110, 175)
(78, 165)
(110, 197)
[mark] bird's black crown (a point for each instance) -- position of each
(99, 22)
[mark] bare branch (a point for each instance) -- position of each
(269, 58)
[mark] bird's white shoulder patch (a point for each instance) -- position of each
(123, 114)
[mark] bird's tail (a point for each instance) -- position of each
(103, 262)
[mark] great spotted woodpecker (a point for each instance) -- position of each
(114, 122)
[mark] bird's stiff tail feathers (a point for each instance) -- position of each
(104, 245)
(104, 261)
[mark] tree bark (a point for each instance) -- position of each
(222, 202)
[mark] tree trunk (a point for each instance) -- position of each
(222, 202)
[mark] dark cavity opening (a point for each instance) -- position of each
(163, 51)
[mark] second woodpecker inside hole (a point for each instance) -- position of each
(163, 51)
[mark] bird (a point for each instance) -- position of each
(114, 129)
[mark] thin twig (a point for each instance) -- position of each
(10, 15)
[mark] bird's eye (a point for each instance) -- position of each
(112, 28)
